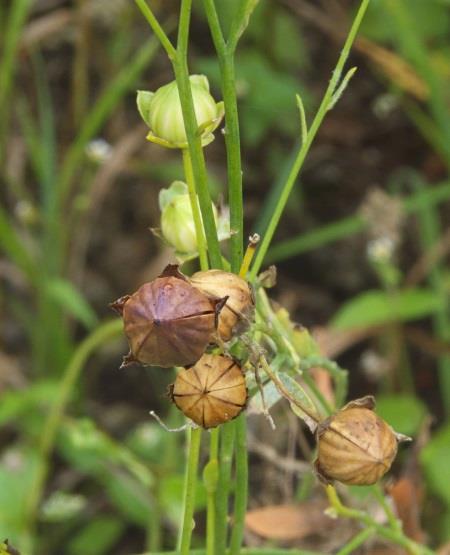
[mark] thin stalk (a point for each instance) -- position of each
(241, 494)
(157, 29)
(96, 339)
(251, 551)
(224, 486)
(304, 149)
(210, 475)
(232, 135)
(201, 242)
(193, 138)
(17, 16)
(346, 227)
(195, 436)
(430, 232)
(395, 535)
(317, 393)
(356, 541)
(234, 164)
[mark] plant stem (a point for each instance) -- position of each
(241, 493)
(96, 339)
(356, 541)
(201, 242)
(430, 232)
(232, 135)
(210, 475)
(157, 29)
(223, 486)
(189, 489)
(193, 138)
(394, 534)
(346, 227)
(298, 163)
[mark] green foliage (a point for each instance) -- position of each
(98, 537)
(376, 308)
(405, 413)
(433, 15)
(18, 467)
(260, 113)
(434, 458)
(69, 299)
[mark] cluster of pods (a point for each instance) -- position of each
(174, 320)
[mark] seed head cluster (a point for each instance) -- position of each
(174, 320)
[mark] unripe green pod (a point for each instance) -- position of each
(162, 112)
(177, 222)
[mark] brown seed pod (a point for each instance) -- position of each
(238, 310)
(355, 446)
(168, 322)
(211, 392)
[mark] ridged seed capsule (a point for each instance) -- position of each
(168, 322)
(355, 446)
(211, 392)
(239, 307)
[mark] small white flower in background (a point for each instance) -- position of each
(26, 212)
(381, 249)
(98, 151)
(61, 506)
(384, 105)
(162, 112)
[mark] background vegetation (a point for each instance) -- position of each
(362, 257)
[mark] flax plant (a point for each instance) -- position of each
(227, 443)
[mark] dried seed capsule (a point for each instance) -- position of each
(355, 446)
(211, 392)
(239, 307)
(168, 322)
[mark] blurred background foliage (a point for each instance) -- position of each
(362, 255)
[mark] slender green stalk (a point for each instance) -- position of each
(346, 227)
(98, 114)
(194, 140)
(298, 163)
(195, 436)
(96, 339)
(252, 551)
(232, 136)
(224, 486)
(395, 535)
(356, 541)
(18, 13)
(210, 478)
(430, 233)
(201, 242)
(241, 494)
(157, 29)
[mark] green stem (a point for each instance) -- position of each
(298, 163)
(96, 339)
(356, 541)
(193, 138)
(224, 486)
(394, 534)
(430, 233)
(201, 242)
(241, 494)
(232, 136)
(190, 485)
(210, 476)
(157, 29)
(339, 375)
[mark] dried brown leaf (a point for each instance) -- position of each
(288, 522)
